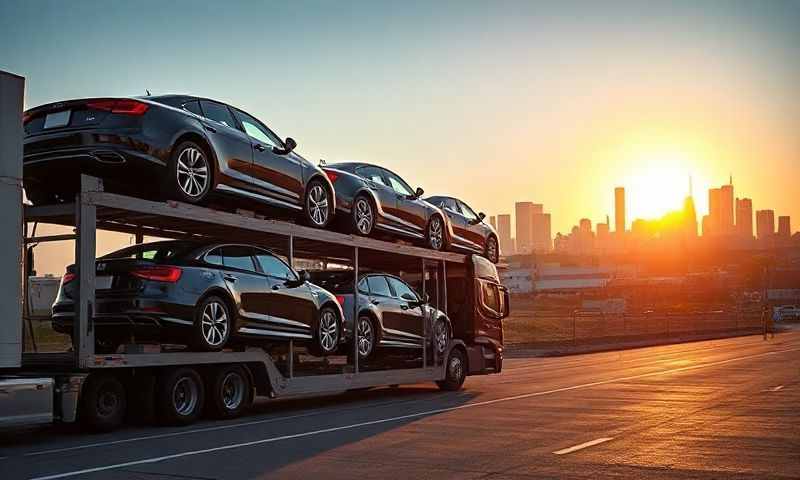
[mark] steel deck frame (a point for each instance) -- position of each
(96, 209)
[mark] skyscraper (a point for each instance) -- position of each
(714, 211)
(504, 234)
(744, 217)
(784, 226)
(542, 240)
(619, 209)
(765, 224)
(524, 218)
(493, 221)
(726, 208)
(689, 217)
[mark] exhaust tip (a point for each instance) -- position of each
(109, 157)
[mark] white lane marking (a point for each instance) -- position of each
(583, 445)
(777, 388)
(401, 417)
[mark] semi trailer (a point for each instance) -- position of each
(174, 384)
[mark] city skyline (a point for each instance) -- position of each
(727, 216)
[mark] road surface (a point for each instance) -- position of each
(715, 409)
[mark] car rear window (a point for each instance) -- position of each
(150, 252)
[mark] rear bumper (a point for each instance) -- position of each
(136, 315)
(52, 163)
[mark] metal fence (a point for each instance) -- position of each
(585, 327)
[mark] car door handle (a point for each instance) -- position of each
(374, 302)
(259, 147)
(210, 128)
(230, 278)
(276, 286)
(403, 307)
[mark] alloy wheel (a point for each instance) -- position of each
(192, 172)
(185, 396)
(435, 233)
(366, 337)
(328, 331)
(440, 336)
(363, 212)
(455, 367)
(215, 324)
(491, 250)
(317, 205)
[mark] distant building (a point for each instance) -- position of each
(504, 234)
(706, 225)
(524, 218)
(765, 225)
(784, 226)
(689, 217)
(603, 240)
(493, 221)
(714, 225)
(517, 278)
(542, 239)
(744, 217)
(619, 209)
(726, 208)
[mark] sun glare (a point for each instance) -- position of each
(657, 184)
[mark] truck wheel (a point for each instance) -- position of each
(179, 396)
(103, 403)
(230, 391)
(455, 371)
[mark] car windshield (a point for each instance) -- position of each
(152, 252)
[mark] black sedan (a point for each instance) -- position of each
(470, 232)
(172, 146)
(391, 314)
(373, 198)
(203, 295)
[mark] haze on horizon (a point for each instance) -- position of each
(492, 103)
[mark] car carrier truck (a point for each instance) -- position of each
(77, 384)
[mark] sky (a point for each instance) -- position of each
(492, 102)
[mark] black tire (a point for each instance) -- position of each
(327, 333)
(191, 174)
(213, 322)
(492, 249)
(362, 217)
(180, 395)
(103, 403)
(455, 371)
(434, 233)
(367, 337)
(230, 391)
(316, 215)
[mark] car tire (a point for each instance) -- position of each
(191, 174)
(317, 208)
(492, 250)
(363, 216)
(213, 323)
(327, 333)
(103, 403)
(455, 371)
(367, 337)
(180, 396)
(434, 233)
(230, 391)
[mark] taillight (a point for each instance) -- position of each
(158, 273)
(123, 106)
(68, 277)
(332, 176)
(26, 118)
(340, 299)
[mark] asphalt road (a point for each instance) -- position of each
(716, 409)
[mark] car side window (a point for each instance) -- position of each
(378, 286)
(274, 266)
(193, 106)
(373, 174)
(363, 287)
(401, 288)
(450, 204)
(218, 113)
(214, 257)
(238, 257)
(467, 212)
(490, 296)
(398, 185)
(255, 129)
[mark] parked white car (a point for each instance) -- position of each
(787, 312)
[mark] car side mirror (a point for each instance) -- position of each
(420, 192)
(302, 277)
(481, 216)
(290, 145)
